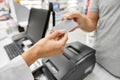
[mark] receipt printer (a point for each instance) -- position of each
(76, 62)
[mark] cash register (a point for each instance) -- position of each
(77, 61)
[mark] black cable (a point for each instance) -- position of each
(53, 12)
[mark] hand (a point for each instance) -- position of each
(51, 45)
(1, 1)
(76, 16)
(3, 18)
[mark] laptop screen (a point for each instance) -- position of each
(38, 24)
(18, 12)
(22, 13)
(12, 10)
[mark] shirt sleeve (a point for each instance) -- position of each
(93, 6)
(17, 69)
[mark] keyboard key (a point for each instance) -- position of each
(13, 50)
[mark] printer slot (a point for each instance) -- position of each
(42, 73)
(74, 50)
(51, 67)
(71, 56)
(72, 53)
(67, 56)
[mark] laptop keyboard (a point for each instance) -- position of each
(13, 50)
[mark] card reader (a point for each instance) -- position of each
(77, 61)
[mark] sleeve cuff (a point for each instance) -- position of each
(16, 69)
(22, 70)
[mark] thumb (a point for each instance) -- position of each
(64, 39)
(56, 34)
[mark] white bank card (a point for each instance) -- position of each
(66, 25)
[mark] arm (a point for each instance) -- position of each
(17, 69)
(53, 44)
(87, 23)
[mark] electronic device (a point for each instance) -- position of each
(66, 25)
(53, 12)
(22, 17)
(16, 14)
(38, 24)
(77, 61)
(13, 50)
(56, 6)
(12, 10)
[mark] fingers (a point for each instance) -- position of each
(56, 34)
(71, 15)
(51, 31)
(3, 18)
(64, 39)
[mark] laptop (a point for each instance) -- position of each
(19, 13)
(36, 29)
(22, 17)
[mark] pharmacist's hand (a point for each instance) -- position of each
(76, 16)
(51, 45)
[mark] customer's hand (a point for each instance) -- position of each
(76, 16)
(1, 1)
(51, 45)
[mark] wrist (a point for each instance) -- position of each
(30, 56)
